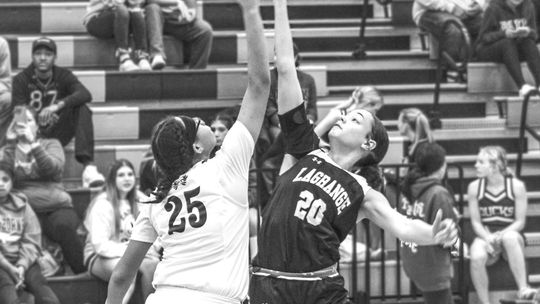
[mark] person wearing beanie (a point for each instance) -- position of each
(429, 267)
(20, 243)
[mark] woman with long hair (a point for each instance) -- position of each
(109, 222)
(498, 207)
(200, 209)
(414, 124)
(318, 199)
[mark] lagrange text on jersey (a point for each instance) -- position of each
(327, 184)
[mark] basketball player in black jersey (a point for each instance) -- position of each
(317, 200)
(498, 207)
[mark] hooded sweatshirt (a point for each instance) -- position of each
(38, 174)
(20, 233)
(500, 16)
(430, 267)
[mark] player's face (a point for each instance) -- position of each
(220, 130)
(5, 184)
(205, 137)
(352, 129)
(43, 59)
(483, 166)
(125, 180)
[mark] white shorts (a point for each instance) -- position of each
(172, 294)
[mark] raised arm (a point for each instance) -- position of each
(256, 96)
(289, 91)
(377, 209)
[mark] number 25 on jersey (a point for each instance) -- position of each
(177, 203)
(309, 208)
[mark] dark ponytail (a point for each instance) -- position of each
(367, 166)
(173, 152)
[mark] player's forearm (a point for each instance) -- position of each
(258, 73)
(284, 46)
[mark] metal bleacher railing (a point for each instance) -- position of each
(523, 126)
(459, 67)
(366, 296)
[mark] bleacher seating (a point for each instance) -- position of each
(126, 105)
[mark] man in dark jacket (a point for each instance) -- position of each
(60, 101)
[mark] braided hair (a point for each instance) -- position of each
(172, 146)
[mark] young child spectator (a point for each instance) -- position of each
(38, 164)
(508, 35)
(20, 238)
(414, 125)
(178, 19)
(60, 101)
(498, 209)
(6, 108)
(429, 267)
(431, 16)
(106, 19)
(109, 222)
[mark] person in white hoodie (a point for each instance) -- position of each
(109, 222)
(430, 15)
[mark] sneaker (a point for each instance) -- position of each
(158, 62)
(144, 65)
(91, 178)
(527, 293)
(526, 89)
(128, 65)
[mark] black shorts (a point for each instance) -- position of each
(271, 290)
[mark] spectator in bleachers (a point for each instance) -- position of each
(178, 19)
(60, 100)
(6, 108)
(20, 239)
(109, 222)
(38, 166)
(430, 15)
(498, 210)
(508, 35)
(423, 194)
(414, 124)
(106, 19)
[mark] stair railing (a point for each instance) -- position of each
(523, 126)
(459, 67)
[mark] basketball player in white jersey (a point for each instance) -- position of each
(200, 214)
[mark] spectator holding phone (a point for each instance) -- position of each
(508, 35)
(38, 164)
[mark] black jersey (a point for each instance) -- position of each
(63, 85)
(313, 207)
(496, 210)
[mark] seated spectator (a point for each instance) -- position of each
(498, 210)
(429, 267)
(109, 222)
(431, 15)
(60, 101)
(508, 35)
(38, 164)
(6, 108)
(414, 125)
(20, 238)
(178, 19)
(106, 19)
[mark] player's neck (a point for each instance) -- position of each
(495, 180)
(344, 160)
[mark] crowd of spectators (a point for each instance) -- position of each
(44, 108)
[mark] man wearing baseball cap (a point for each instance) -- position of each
(60, 100)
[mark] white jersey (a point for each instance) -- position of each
(203, 223)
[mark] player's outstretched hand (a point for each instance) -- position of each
(444, 231)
